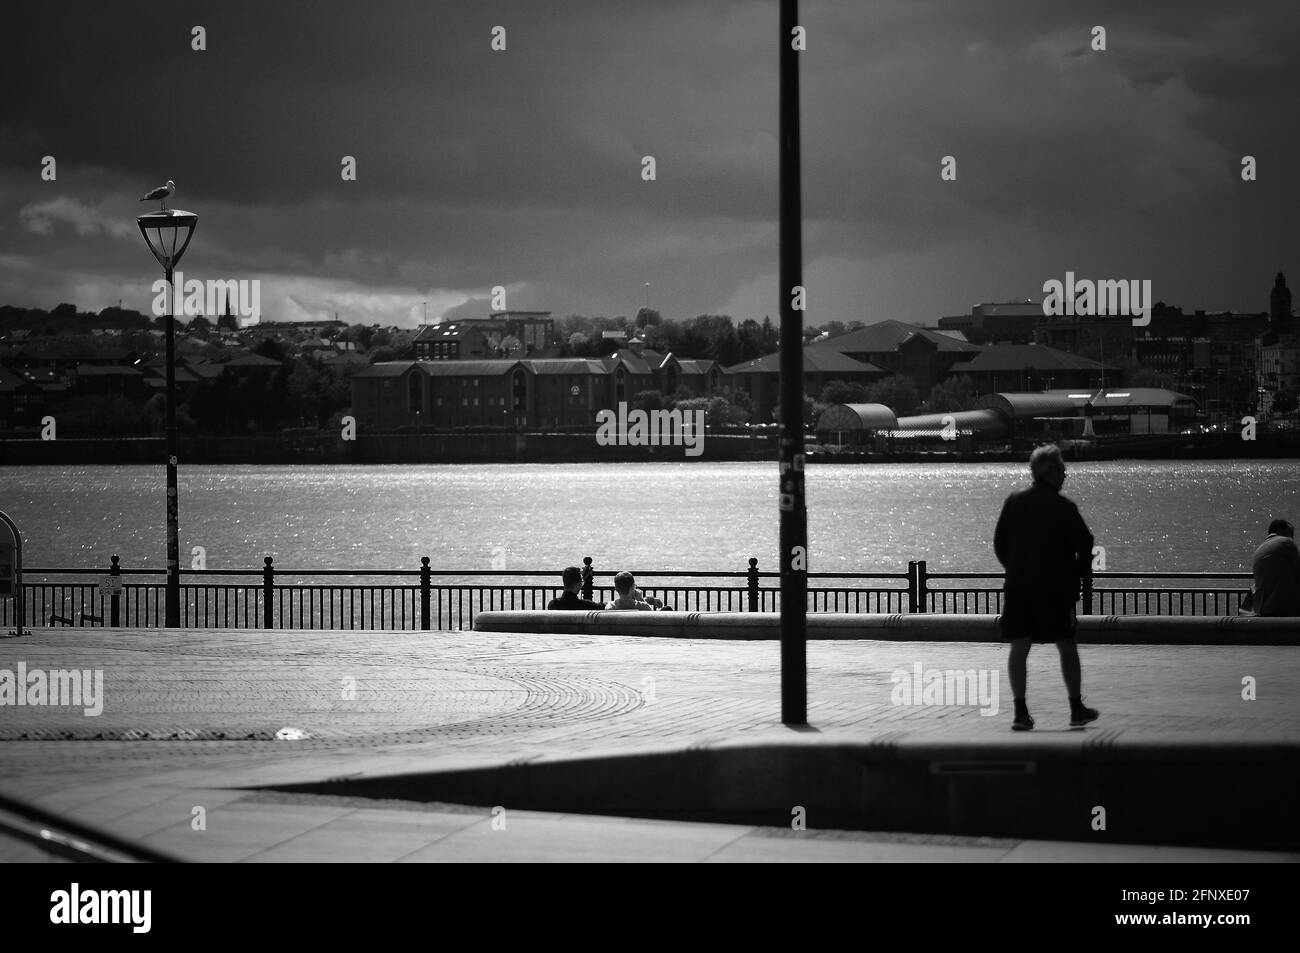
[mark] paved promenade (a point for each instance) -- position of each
(191, 718)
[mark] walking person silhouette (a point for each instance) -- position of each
(1046, 549)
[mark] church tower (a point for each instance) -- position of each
(1279, 306)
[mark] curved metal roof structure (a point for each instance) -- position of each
(967, 421)
(857, 417)
(1022, 406)
(1124, 397)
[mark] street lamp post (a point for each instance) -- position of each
(168, 234)
(793, 511)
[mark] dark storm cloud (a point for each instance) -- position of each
(523, 168)
(414, 92)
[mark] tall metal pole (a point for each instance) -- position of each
(794, 514)
(173, 595)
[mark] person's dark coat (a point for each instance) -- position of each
(1277, 577)
(571, 601)
(1046, 549)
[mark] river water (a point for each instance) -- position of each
(1168, 516)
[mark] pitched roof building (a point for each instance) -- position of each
(1031, 367)
(501, 334)
(863, 355)
(1007, 322)
(22, 400)
(923, 354)
(760, 379)
(532, 393)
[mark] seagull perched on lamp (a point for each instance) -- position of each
(160, 193)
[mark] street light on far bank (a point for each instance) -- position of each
(168, 233)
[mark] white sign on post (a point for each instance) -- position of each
(110, 585)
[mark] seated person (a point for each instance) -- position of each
(572, 578)
(651, 601)
(625, 586)
(1276, 568)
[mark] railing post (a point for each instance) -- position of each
(268, 595)
(114, 600)
(753, 584)
(916, 585)
(586, 577)
(425, 577)
(1086, 593)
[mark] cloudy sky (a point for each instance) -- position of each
(522, 168)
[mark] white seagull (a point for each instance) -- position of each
(160, 193)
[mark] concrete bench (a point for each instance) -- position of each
(920, 627)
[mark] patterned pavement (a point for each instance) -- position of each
(200, 711)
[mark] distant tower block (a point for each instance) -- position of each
(1279, 306)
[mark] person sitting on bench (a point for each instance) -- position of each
(572, 578)
(625, 586)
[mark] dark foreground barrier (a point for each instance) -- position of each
(1084, 786)
(930, 627)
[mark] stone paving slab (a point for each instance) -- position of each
(239, 832)
(371, 836)
(197, 711)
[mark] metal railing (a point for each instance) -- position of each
(70, 840)
(429, 599)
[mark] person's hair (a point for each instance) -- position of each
(1045, 458)
(1281, 528)
(572, 576)
(624, 582)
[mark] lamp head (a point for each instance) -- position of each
(168, 234)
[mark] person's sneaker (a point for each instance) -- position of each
(1083, 715)
(1023, 722)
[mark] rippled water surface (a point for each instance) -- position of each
(1198, 516)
